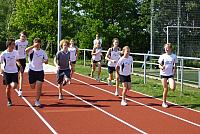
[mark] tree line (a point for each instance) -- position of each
(128, 20)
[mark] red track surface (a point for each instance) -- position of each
(100, 113)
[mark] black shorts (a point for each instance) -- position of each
(167, 77)
(34, 76)
(60, 75)
(125, 78)
(111, 69)
(9, 78)
(73, 62)
(94, 61)
(23, 64)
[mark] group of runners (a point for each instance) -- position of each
(13, 61)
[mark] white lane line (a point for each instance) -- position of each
(39, 115)
(147, 95)
(171, 115)
(103, 111)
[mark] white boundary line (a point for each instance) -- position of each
(103, 111)
(38, 114)
(187, 121)
(148, 96)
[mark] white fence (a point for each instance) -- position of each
(149, 62)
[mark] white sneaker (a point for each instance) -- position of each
(37, 103)
(20, 93)
(164, 105)
(109, 83)
(98, 79)
(60, 97)
(124, 103)
(116, 93)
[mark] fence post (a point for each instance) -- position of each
(144, 69)
(177, 74)
(84, 57)
(199, 78)
(182, 64)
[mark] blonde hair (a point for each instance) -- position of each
(124, 48)
(64, 41)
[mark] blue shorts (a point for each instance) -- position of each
(61, 74)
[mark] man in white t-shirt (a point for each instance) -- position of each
(36, 57)
(10, 58)
(20, 46)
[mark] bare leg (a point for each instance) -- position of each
(172, 84)
(39, 89)
(93, 69)
(165, 89)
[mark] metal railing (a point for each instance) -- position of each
(147, 68)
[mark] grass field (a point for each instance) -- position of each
(189, 98)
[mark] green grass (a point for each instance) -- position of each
(189, 98)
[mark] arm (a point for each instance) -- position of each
(174, 68)
(76, 53)
(1, 70)
(161, 66)
(108, 56)
(19, 65)
(45, 60)
(29, 48)
(93, 51)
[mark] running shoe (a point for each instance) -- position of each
(20, 93)
(164, 105)
(116, 93)
(124, 103)
(9, 104)
(60, 97)
(37, 103)
(64, 82)
(98, 79)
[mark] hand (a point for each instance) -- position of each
(163, 67)
(1, 71)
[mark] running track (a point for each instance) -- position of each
(90, 107)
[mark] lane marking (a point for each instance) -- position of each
(171, 115)
(147, 95)
(103, 111)
(39, 115)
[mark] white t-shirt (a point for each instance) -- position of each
(125, 65)
(72, 51)
(20, 47)
(168, 61)
(9, 60)
(36, 58)
(97, 57)
(114, 55)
